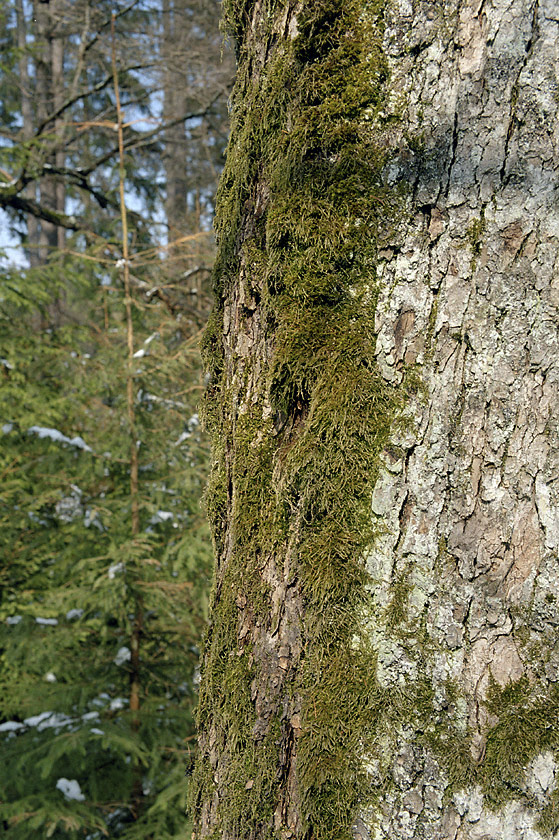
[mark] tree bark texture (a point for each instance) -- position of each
(382, 659)
(468, 495)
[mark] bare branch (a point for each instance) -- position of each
(142, 139)
(76, 98)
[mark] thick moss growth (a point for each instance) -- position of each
(296, 455)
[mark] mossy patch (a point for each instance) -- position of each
(299, 206)
(527, 726)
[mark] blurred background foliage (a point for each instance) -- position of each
(94, 610)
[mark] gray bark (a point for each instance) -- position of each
(468, 494)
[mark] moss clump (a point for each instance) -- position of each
(527, 726)
(297, 455)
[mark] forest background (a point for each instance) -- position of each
(113, 124)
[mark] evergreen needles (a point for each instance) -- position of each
(74, 570)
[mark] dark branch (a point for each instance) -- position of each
(29, 205)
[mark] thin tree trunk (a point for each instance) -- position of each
(46, 58)
(176, 147)
(382, 658)
(138, 619)
(32, 240)
(58, 94)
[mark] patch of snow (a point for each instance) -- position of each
(7, 428)
(139, 354)
(123, 655)
(147, 397)
(13, 619)
(71, 789)
(91, 716)
(114, 570)
(5, 362)
(11, 726)
(70, 507)
(80, 443)
(118, 703)
(91, 518)
(50, 621)
(50, 677)
(95, 731)
(161, 516)
(34, 518)
(191, 424)
(55, 435)
(48, 720)
(75, 613)
(44, 432)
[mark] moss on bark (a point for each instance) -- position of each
(296, 454)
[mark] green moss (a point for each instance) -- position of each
(400, 591)
(548, 822)
(302, 478)
(528, 725)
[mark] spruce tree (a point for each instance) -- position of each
(75, 757)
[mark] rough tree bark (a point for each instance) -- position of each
(382, 659)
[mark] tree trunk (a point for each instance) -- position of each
(176, 146)
(49, 95)
(28, 124)
(382, 658)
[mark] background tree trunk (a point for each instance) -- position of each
(49, 95)
(32, 238)
(399, 165)
(175, 95)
